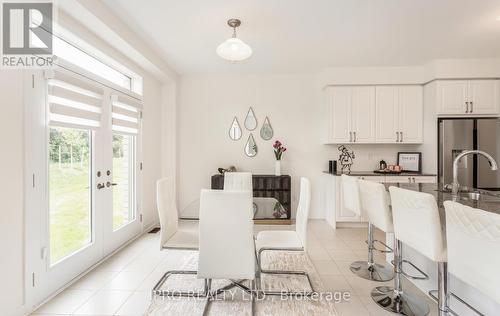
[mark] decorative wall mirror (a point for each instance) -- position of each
(235, 130)
(266, 131)
(250, 120)
(251, 147)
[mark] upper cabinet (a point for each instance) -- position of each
(468, 97)
(369, 114)
(350, 114)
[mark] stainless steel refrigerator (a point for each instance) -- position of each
(457, 135)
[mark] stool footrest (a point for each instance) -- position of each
(389, 249)
(423, 277)
(383, 244)
(433, 295)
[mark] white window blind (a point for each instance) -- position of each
(74, 101)
(125, 114)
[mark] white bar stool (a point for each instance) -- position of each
(375, 203)
(417, 224)
(473, 239)
(365, 269)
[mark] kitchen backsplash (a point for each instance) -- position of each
(369, 156)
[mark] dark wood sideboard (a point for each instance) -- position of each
(278, 187)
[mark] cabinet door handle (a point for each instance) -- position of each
(354, 136)
(413, 178)
(409, 179)
(350, 137)
(397, 137)
(466, 107)
(471, 107)
(401, 137)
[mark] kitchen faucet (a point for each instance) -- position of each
(455, 186)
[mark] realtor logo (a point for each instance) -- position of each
(27, 34)
(27, 28)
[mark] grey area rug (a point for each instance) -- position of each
(238, 303)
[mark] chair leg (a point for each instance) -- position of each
(209, 297)
(280, 272)
(157, 288)
(369, 270)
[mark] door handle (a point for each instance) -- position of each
(108, 184)
(466, 107)
(100, 186)
(409, 179)
(354, 136)
(471, 107)
(401, 137)
(397, 137)
(350, 137)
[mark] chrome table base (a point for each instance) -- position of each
(399, 303)
(374, 272)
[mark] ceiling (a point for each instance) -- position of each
(308, 35)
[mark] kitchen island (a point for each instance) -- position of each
(488, 201)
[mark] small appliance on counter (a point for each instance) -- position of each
(385, 169)
(332, 166)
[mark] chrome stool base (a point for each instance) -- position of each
(402, 303)
(374, 272)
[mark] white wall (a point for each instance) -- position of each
(293, 103)
(12, 274)
(11, 193)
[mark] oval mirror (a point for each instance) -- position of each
(235, 130)
(251, 147)
(266, 131)
(250, 120)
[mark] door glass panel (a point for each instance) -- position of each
(123, 180)
(70, 208)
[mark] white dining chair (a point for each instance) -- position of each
(227, 249)
(173, 234)
(473, 240)
(238, 181)
(286, 240)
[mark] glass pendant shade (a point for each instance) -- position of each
(234, 50)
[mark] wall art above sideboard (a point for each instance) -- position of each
(250, 123)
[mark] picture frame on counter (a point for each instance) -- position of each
(410, 161)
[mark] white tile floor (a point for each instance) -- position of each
(122, 284)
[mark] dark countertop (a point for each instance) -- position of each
(371, 173)
(489, 203)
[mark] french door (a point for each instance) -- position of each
(87, 191)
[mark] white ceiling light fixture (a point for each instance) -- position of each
(234, 49)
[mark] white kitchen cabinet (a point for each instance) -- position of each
(483, 96)
(399, 114)
(350, 115)
(411, 115)
(363, 114)
(338, 115)
(410, 179)
(468, 97)
(387, 117)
